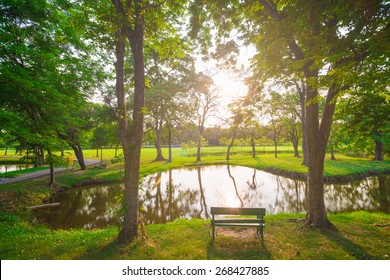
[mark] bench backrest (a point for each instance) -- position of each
(237, 211)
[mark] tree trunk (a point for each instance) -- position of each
(52, 173)
(231, 145)
(332, 156)
(116, 150)
(316, 212)
(302, 96)
(199, 149)
(198, 157)
(378, 147)
(131, 135)
(295, 146)
(294, 140)
(79, 155)
(275, 145)
(170, 143)
(41, 156)
(160, 156)
(253, 146)
(129, 229)
(317, 136)
(36, 156)
(101, 155)
(6, 149)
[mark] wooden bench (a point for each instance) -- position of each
(257, 222)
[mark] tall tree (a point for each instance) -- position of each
(273, 109)
(320, 42)
(321, 52)
(205, 97)
(168, 75)
(46, 70)
(363, 116)
(136, 19)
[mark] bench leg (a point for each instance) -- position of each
(262, 233)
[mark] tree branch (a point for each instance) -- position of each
(270, 7)
(129, 32)
(155, 5)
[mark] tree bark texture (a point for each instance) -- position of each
(170, 143)
(317, 133)
(158, 127)
(79, 154)
(131, 132)
(198, 152)
(231, 145)
(295, 141)
(52, 172)
(129, 229)
(253, 146)
(304, 131)
(378, 147)
(316, 143)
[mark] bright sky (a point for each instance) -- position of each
(230, 84)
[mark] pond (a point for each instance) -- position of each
(12, 167)
(189, 193)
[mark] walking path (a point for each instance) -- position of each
(41, 173)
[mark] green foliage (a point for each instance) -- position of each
(117, 159)
(59, 160)
(47, 70)
(362, 119)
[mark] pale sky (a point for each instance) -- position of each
(229, 83)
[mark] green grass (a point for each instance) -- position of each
(359, 235)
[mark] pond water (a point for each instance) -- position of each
(190, 193)
(12, 167)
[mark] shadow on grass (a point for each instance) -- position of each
(110, 251)
(347, 245)
(231, 248)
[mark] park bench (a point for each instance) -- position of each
(245, 221)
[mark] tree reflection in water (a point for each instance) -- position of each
(189, 193)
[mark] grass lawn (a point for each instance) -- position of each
(359, 235)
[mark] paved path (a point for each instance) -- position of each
(41, 173)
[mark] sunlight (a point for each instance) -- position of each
(230, 85)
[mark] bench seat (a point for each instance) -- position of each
(257, 222)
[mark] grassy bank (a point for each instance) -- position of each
(285, 163)
(360, 235)
(344, 166)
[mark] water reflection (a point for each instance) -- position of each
(191, 192)
(12, 167)
(94, 207)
